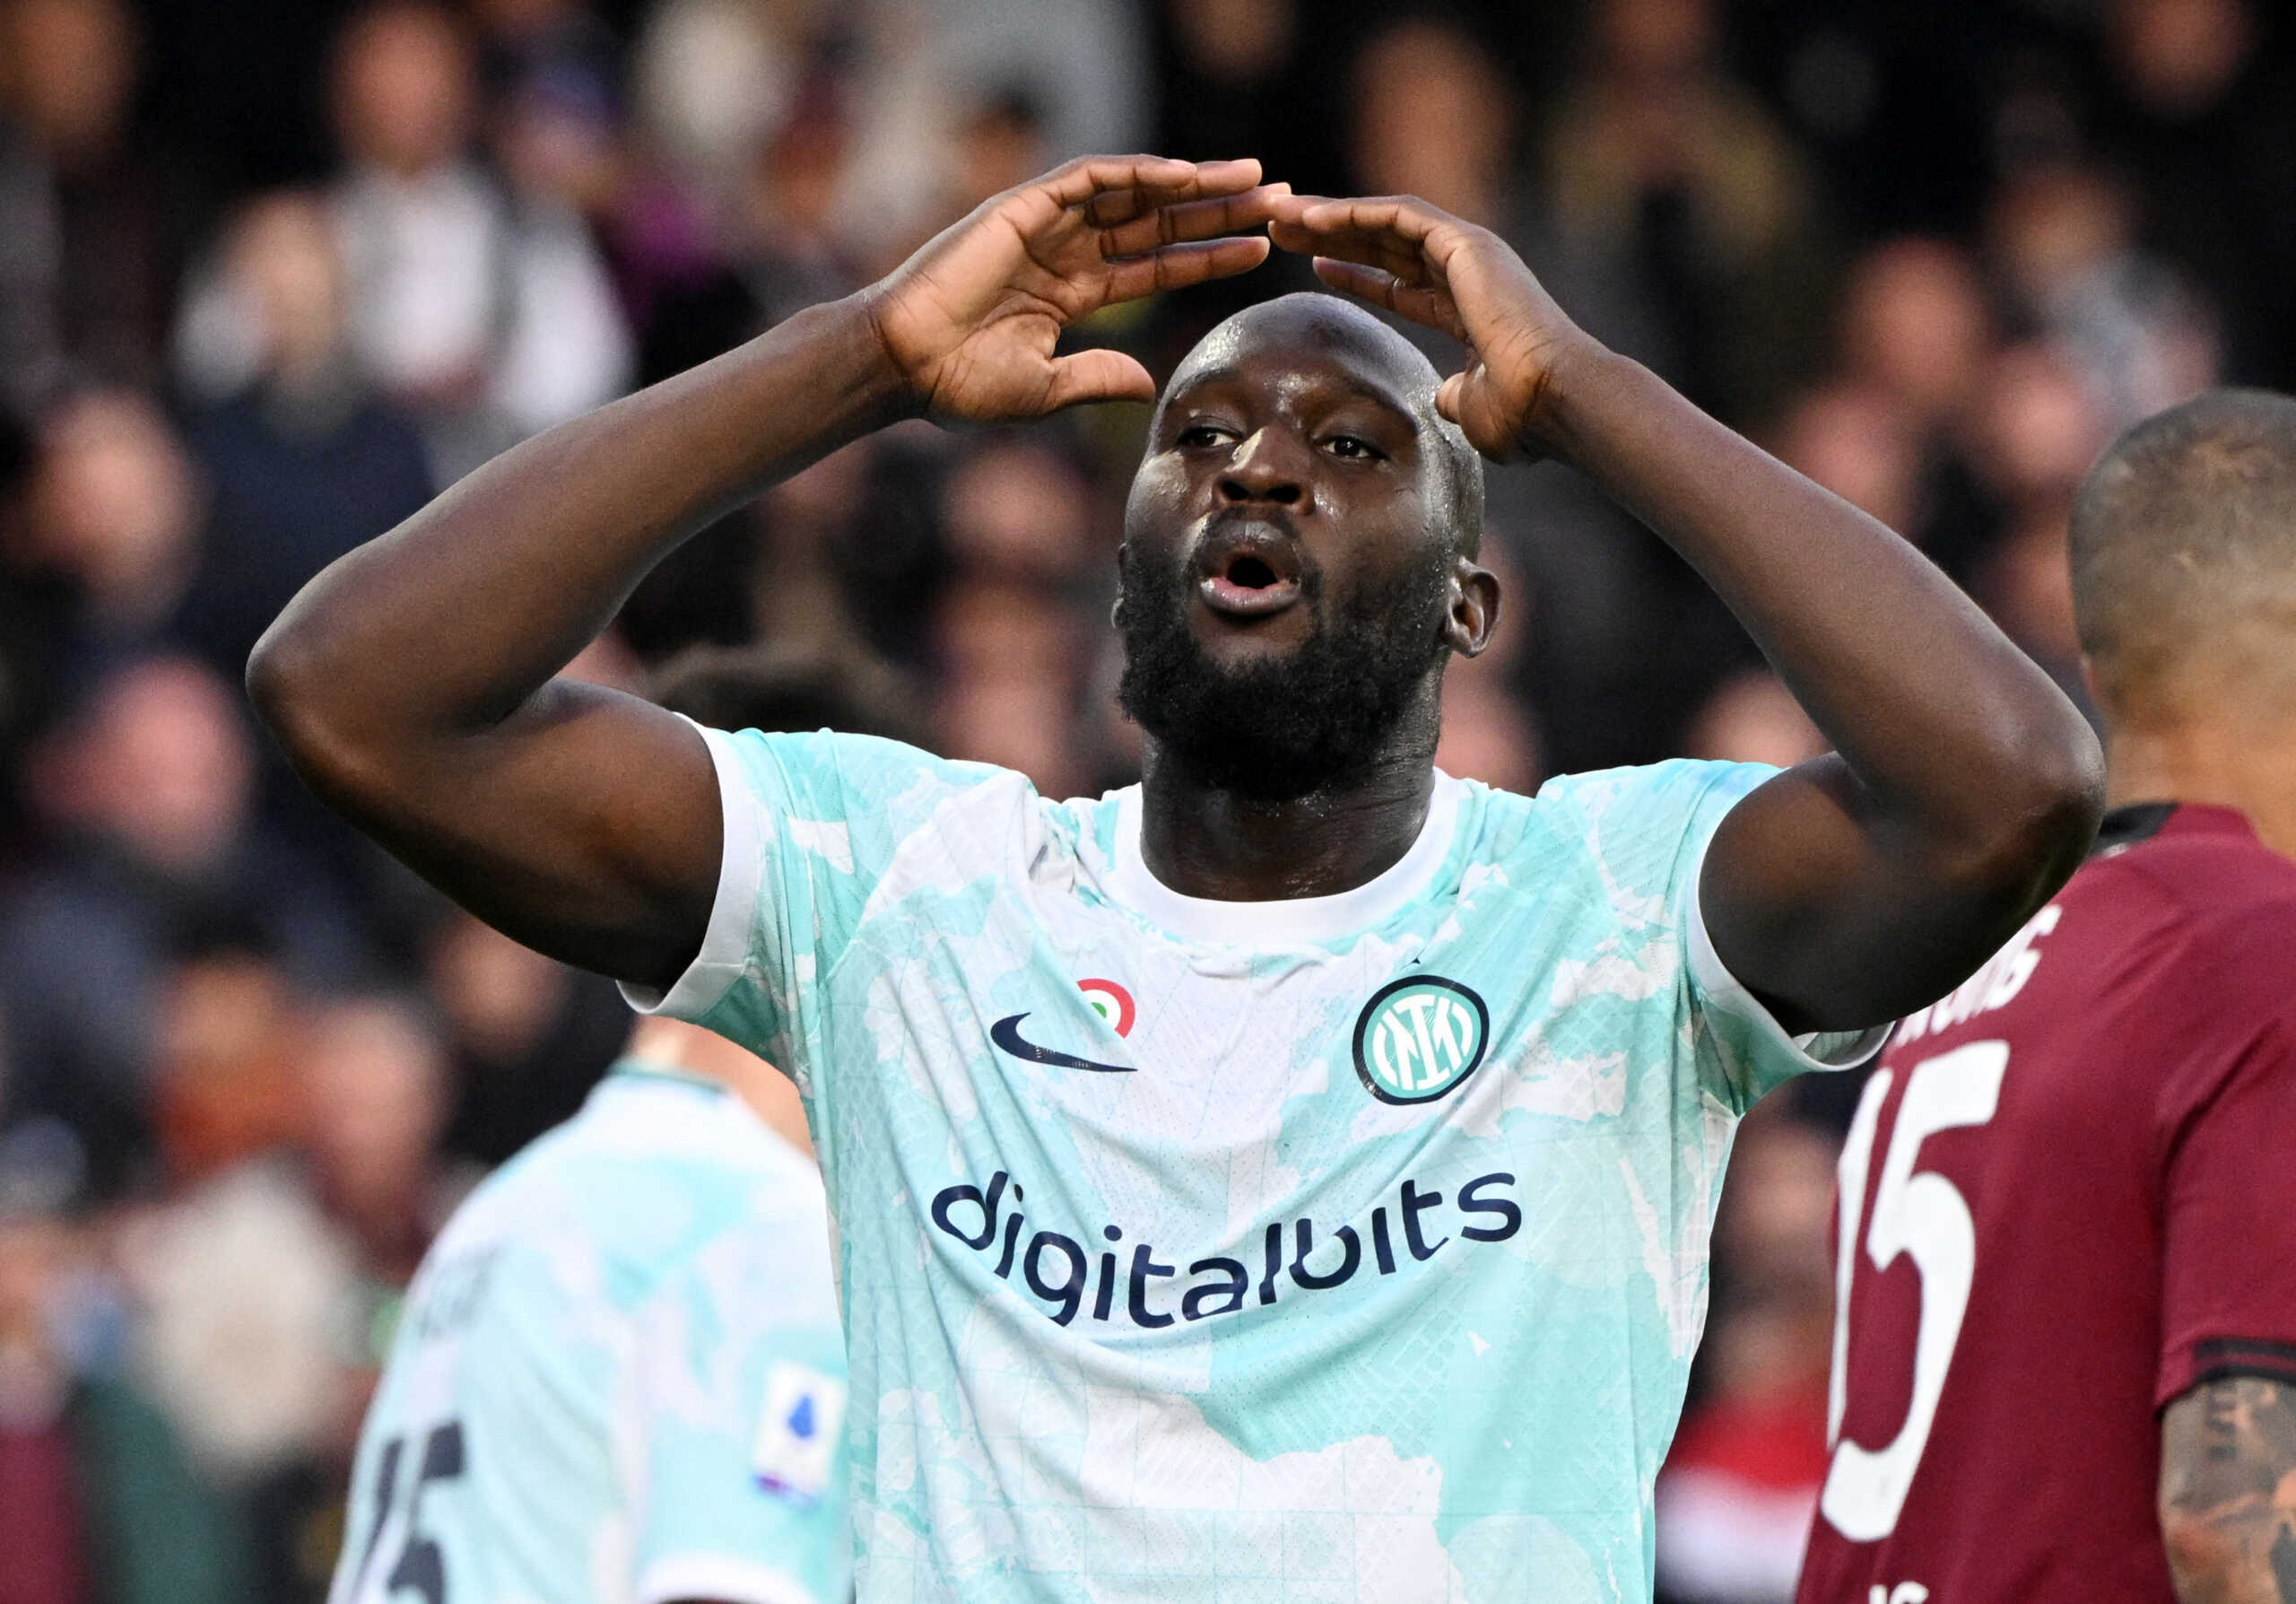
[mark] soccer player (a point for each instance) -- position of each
(618, 1378)
(2065, 1348)
(1288, 1177)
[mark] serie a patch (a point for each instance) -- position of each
(797, 1433)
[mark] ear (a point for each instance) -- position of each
(1473, 615)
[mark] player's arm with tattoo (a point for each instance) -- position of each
(2228, 1491)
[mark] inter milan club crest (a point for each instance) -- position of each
(1418, 1037)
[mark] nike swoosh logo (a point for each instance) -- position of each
(1006, 1033)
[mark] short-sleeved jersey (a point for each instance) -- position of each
(2069, 1195)
(1344, 1247)
(618, 1378)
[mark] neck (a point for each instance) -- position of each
(673, 1044)
(1203, 841)
(2224, 763)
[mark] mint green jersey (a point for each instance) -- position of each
(1343, 1248)
(618, 1378)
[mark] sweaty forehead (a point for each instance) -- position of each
(1309, 334)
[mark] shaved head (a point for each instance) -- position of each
(2184, 556)
(1312, 322)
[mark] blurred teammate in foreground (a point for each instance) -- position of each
(2066, 1301)
(1288, 1177)
(618, 1378)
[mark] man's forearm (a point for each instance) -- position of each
(2228, 1492)
(1939, 716)
(453, 619)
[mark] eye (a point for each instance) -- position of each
(1202, 434)
(1354, 447)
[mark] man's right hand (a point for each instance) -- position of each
(411, 681)
(970, 321)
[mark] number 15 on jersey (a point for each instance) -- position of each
(1920, 1215)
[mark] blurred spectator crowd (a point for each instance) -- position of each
(273, 272)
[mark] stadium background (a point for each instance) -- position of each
(272, 271)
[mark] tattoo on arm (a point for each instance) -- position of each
(2228, 1491)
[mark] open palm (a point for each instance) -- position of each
(972, 321)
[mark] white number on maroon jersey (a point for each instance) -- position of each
(1920, 1214)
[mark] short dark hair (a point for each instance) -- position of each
(742, 687)
(2186, 523)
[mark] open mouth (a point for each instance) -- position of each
(1249, 569)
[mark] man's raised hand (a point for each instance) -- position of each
(969, 322)
(1431, 267)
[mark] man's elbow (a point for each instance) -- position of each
(305, 700)
(2043, 809)
(284, 681)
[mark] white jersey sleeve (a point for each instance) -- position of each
(811, 825)
(1648, 830)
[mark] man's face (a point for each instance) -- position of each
(1289, 556)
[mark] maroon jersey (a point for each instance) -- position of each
(2069, 1195)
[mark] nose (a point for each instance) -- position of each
(1263, 468)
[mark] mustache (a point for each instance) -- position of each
(1279, 518)
(1165, 576)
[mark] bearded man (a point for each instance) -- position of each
(1288, 1177)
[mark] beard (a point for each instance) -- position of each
(1278, 727)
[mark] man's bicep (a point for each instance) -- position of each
(2228, 1197)
(586, 825)
(2227, 1490)
(1820, 908)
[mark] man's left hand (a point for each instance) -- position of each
(1423, 264)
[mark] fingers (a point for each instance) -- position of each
(1306, 217)
(1164, 177)
(1097, 376)
(1184, 221)
(1107, 208)
(1354, 278)
(1422, 303)
(1396, 234)
(1384, 253)
(1403, 258)
(1177, 267)
(1404, 216)
(1465, 399)
(1447, 397)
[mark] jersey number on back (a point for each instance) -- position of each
(1922, 1215)
(418, 1565)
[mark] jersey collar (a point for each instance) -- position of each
(1289, 920)
(2132, 824)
